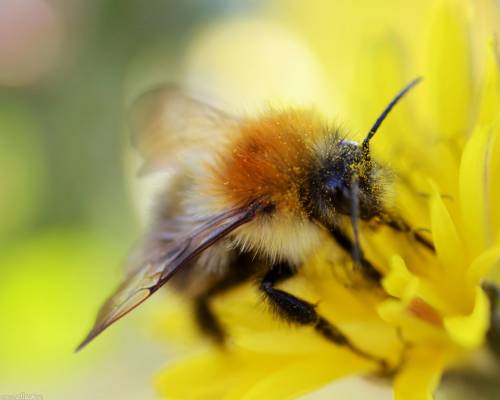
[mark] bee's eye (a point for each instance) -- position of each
(337, 188)
(335, 184)
(328, 190)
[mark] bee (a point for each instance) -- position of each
(250, 199)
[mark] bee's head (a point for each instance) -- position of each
(344, 179)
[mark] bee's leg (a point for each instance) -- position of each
(400, 225)
(297, 311)
(207, 321)
(346, 243)
(205, 318)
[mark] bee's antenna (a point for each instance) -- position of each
(380, 119)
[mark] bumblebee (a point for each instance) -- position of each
(249, 198)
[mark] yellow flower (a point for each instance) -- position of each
(443, 144)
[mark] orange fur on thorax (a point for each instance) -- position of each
(267, 158)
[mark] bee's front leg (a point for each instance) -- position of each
(400, 225)
(347, 244)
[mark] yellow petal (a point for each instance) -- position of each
(341, 31)
(243, 308)
(475, 188)
(449, 70)
(494, 170)
(216, 375)
(392, 311)
(483, 264)
(489, 105)
(469, 331)
(370, 95)
(420, 375)
(399, 282)
(449, 246)
(292, 340)
(307, 375)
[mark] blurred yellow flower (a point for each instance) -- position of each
(443, 145)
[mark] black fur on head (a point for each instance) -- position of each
(344, 179)
(328, 189)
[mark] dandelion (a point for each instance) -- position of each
(432, 313)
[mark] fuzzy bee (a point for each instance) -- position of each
(249, 198)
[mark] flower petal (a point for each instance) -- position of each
(489, 105)
(399, 282)
(449, 246)
(449, 69)
(483, 264)
(469, 331)
(420, 374)
(292, 340)
(307, 375)
(216, 375)
(368, 95)
(475, 188)
(494, 170)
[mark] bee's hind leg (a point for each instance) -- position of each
(300, 312)
(207, 321)
(238, 272)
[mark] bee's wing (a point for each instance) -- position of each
(168, 125)
(146, 280)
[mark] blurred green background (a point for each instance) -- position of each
(67, 69)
